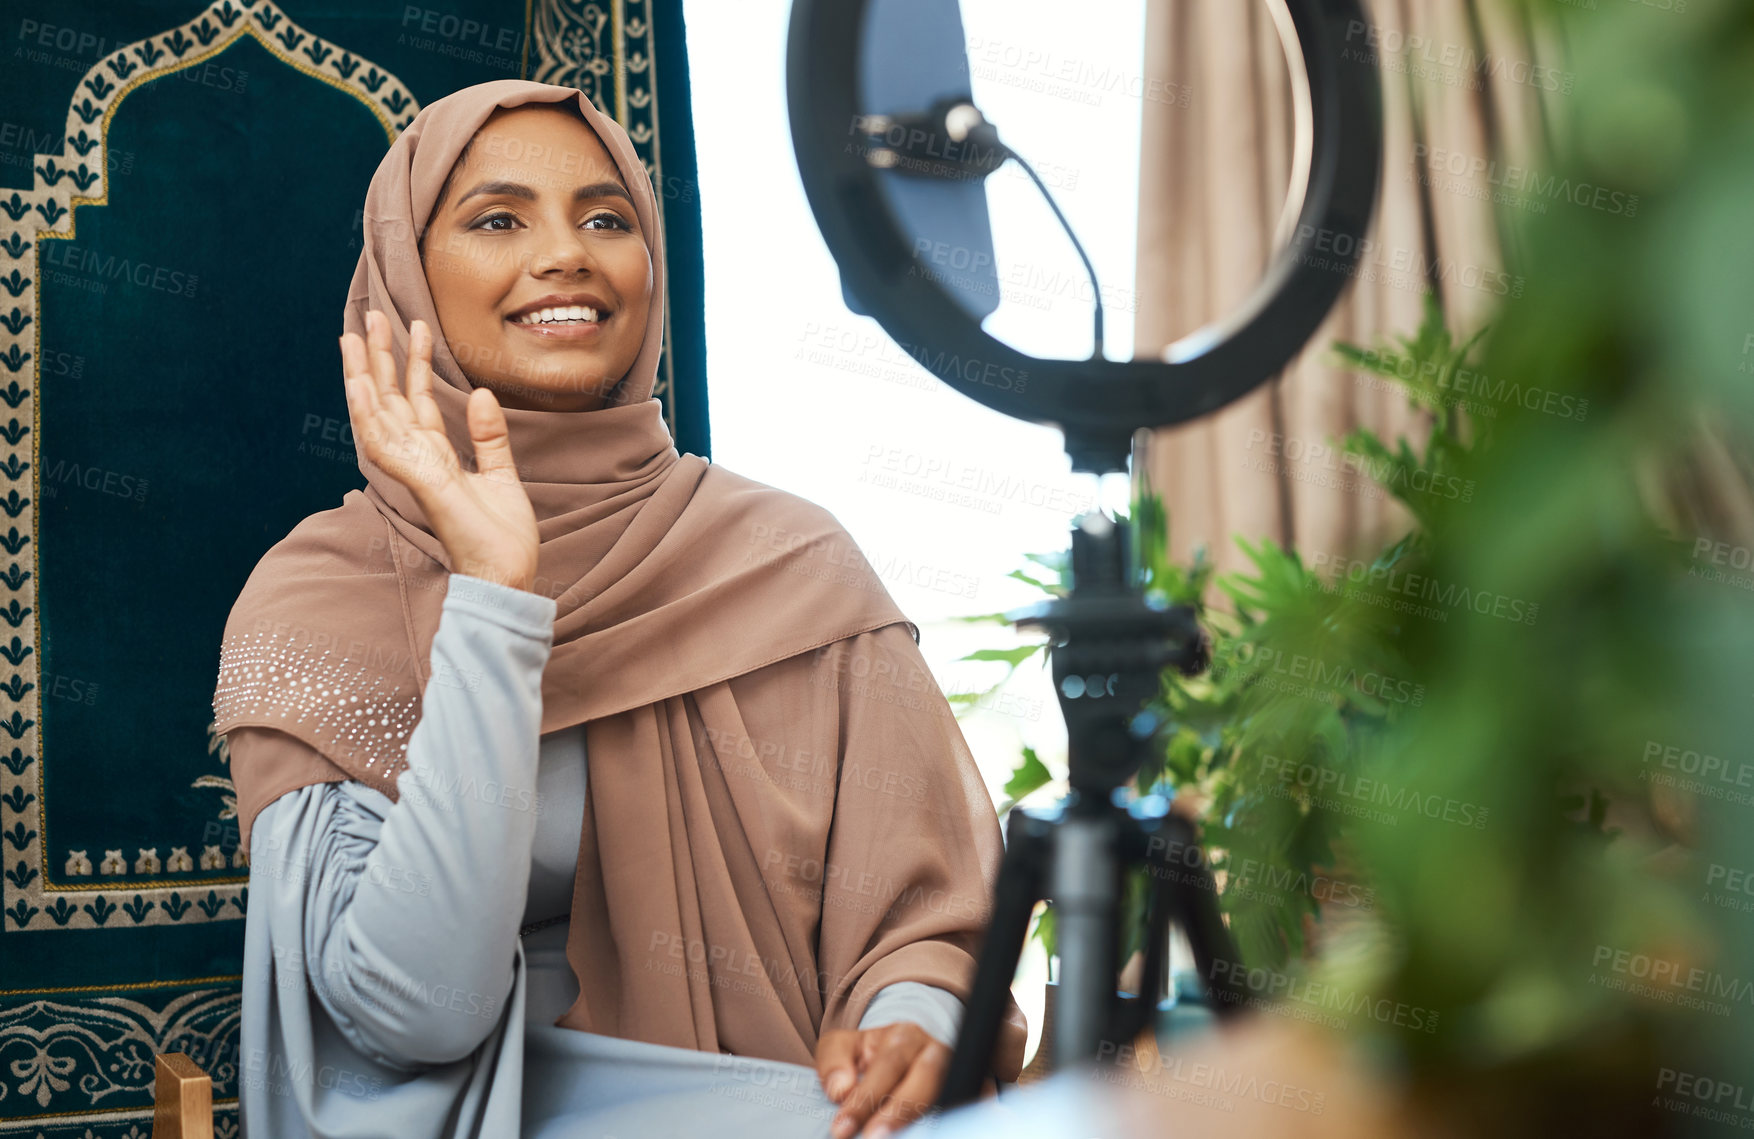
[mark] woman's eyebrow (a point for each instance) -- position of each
(602, 190)
(519, 190)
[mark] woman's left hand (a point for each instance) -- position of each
(886, 1076)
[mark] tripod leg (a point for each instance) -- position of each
(1197, 904)
(1160, 860)
(1086, 893)
(1019, 888)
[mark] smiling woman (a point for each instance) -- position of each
(539, 271)
(763, 914)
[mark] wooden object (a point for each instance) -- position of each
(182, 1099)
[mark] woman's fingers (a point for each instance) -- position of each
(915, 1094)
(484, 518)
(383, 420)
(426, 411)
(383, 357)
(885, 1056)
(391, 400)
(492, 440)
(837, 1062)
(362, 400)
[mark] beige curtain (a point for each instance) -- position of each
(1214, 175)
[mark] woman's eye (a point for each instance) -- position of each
(614, 221)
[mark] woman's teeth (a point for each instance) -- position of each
(574, 314)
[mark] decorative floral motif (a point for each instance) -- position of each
(92, 1056)
(228, 804)
(42, 1074)
(88, 1055)
(577, 44)
(569, 38)
(121, 1125)
(45, 211)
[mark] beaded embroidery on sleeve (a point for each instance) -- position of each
(273, 680)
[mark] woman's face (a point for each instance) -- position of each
(537, 223)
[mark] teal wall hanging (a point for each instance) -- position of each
(180, 192)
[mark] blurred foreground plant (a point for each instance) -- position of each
(1547, 817)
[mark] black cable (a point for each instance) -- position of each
(1095, 290)
(974, 150)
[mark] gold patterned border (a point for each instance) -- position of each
(77, 176)
(105, 1044)
(569, 36)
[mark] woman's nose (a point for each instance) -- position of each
(562, 248)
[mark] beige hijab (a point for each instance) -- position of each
(782, 815)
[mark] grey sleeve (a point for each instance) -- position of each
(933, 1009)
(411, 908)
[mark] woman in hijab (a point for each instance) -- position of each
(759, 911)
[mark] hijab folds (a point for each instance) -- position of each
(782, 815)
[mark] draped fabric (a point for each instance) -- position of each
(814, 861)
(1471, 97)
(762, 855)
(672, 578)
(181, 189)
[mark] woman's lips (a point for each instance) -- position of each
(570, 330)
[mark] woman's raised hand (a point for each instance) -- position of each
(484, 517)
